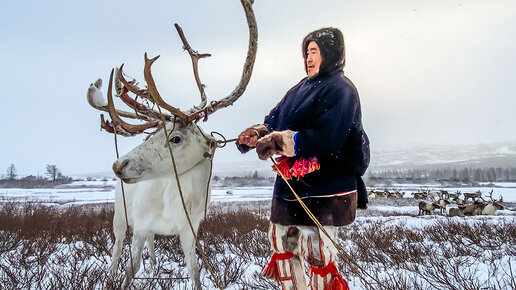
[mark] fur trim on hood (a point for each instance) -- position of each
(331, 46)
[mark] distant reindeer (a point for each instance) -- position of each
(434, 195)
(427, 208)
(473, 196)
(452, 196)
(455, 212)
(474, 208)
(379, 194)
(445, 194)
(492, 207)
(459, 201)
(419, 195)
(396, 194)
(442, 203)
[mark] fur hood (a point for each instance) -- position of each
(331, 46)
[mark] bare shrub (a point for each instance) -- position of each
(69, 248)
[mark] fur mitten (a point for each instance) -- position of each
(281, 143)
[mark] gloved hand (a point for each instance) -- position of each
(250, 136)
(281, 143)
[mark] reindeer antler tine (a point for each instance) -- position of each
(153, 91)
(195, 56)
(117, 122)
(249, 62)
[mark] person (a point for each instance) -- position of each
(317, 130)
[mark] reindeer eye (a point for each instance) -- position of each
(175, 139)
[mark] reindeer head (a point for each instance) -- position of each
(189, 143)
(151, 159)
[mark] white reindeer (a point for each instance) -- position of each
(152, 194)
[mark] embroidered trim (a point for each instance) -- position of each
(337, 281)
(299, 167)
(272, 271)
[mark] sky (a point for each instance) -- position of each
(428, 72)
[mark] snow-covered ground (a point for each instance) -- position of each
(379, 212)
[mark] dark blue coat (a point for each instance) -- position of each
(325, 111)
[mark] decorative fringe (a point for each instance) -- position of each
(271, 271)
(291, 167)
(337, 281)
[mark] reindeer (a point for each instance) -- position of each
(434, 195)
(378, 194)
(492, 207)
(459, 201)
(455, 212)
(419, 195)
(474, 208)
(152, 174)
(396, 194)
(445, 194)
(473, 196)
(442, 203)
(455, 195)
(425, 207)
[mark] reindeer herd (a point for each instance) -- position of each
(468, 204)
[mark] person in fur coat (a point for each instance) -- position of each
(317, 131)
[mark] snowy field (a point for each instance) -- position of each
(384, 216)
(96, 191)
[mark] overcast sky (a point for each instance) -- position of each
(428, 72)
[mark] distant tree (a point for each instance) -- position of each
(465, 176)
(53, 172)
(255, 174)
(491, 174)
(11, 172)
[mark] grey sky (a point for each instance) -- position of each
(427, 71)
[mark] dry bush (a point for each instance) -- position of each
(69, 248)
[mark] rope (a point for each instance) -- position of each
(337, 246)
(125, 205)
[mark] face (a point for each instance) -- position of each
(313, 59)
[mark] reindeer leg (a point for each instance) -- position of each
(136, 251)
(119, 229)
(152, 252)
(188, 244)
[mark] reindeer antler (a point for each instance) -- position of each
(118, 123)
(143, 112)
(248, 66)
(195, 56)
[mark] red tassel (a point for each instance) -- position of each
(271, 271)
(337, 281)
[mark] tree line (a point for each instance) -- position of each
(53, 176)
(464, 175)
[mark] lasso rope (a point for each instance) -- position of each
(125, 206)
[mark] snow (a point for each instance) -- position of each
(102, 191)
